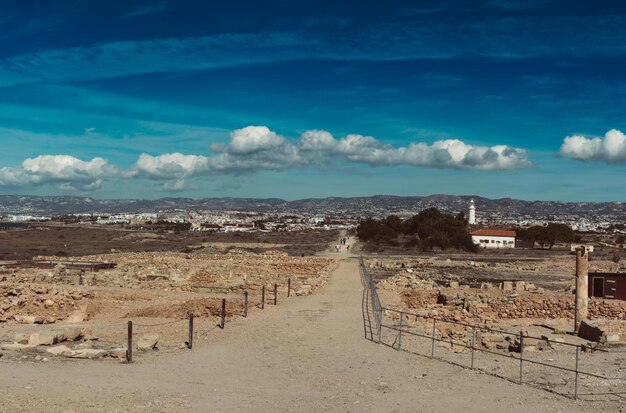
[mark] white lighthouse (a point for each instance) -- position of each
(472, 213)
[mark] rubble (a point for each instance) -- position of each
(148, 342)
(38, 304)
(55, 304)
(16, 347)
(431, 290)
(604, 332)
(43, 339)
(88, 353)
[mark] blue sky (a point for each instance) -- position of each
(522, 99)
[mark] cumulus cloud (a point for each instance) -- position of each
(171, 165)
(453, 153)
(170, 168)
(449, 153)
(252, 139)
(64, 171)
(314, 140)
(257, 148)
(610, 149)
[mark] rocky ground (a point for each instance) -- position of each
(503, 298)
(157, 291)
(306, 354)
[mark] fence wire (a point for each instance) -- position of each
(392, 328)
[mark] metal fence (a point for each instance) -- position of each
(265, 296)
(564, 369)
(371, 303)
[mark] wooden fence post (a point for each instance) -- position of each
(245, 304)
(129, 348)
(190, 342)
(223, 321)
(275, 294)
(521, 355)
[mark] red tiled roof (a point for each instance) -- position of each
(494, 233)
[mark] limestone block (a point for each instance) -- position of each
(506, 286)
(28, 319)
(148, 342)
(88, 353)
(120, 352)
(21, 338)
(42, 339)
(77, 316)
(16, 347)
(70, 334)
(59, 351)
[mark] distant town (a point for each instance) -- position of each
(233, 214)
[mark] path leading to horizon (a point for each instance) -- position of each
(308, 354)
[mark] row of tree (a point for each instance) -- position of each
(427, 230)
(547, 235)
(433, 229)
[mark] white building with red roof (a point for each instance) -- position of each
(493, 238)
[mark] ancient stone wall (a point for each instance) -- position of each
(471, 303)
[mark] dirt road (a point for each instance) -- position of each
(306, 355)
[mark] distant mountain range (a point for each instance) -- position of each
(374, 205)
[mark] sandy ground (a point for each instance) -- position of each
(306, 355)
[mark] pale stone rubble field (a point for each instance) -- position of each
(63, 312)
(534, 297)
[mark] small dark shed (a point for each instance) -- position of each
(607, 285)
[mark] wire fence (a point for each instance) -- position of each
(138, 330)
(551, 364)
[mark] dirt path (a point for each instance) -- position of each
(308, 354)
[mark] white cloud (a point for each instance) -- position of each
(317, 140)
(453, 153)
(171, 165)
(610, 149)
(256, 148)
(64, 171)
(253, 139)
(170, 169)
(449, 153)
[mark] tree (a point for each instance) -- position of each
(554, 233)
(394, 223)
(531, 235)
(427, 230)
(546, 235)
(368, 229)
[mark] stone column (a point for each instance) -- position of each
(582, 282)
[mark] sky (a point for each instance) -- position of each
(294, 99)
